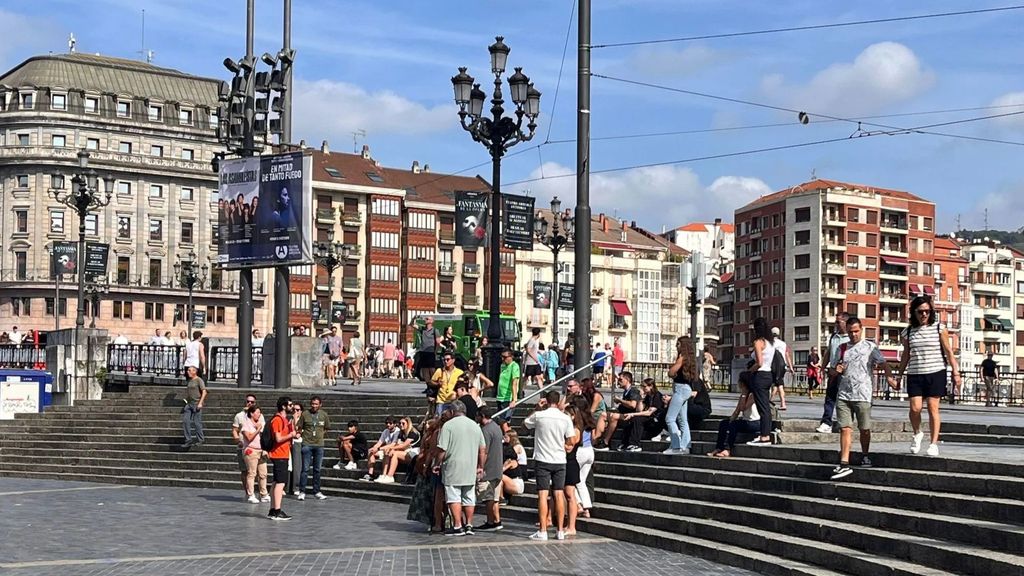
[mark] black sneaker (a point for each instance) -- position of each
(455, 532)
(489, 527)
(865, 462)
(282, 516)
(600, 446)
(468, 530)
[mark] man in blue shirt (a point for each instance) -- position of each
(602, 357)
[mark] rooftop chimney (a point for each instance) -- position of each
(324, 147)
(415, 166)
(366, 152)
(718, 221)
(302, 144)
(623, 225)
(426, 168)
(604, 222)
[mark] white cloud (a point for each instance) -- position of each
(1004, 205)
(1015, 99)
(883, 74)
(333, 110)
(655, 197)
(662, 61)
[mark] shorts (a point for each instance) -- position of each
(617, 370)
(598, 369)
(533, 370)
(426, 359)
(927, 385)
(549, 476)
(847, 410)
(488, 490)
(412, 452)
(466, 495)
(240, 458)
(281, 473)
(520, 486)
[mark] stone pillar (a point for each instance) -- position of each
(78, 361)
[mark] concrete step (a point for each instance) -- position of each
(1006, 440)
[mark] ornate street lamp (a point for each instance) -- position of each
(555, 235)
(497, 133)
(95, 291)
(189, 276)
(330, 255)
(84, 198)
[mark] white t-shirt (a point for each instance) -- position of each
(16, 337)
(192, 353)
(551, 428)
(767, 355)
(532, 357)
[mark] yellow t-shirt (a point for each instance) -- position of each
(446, 393)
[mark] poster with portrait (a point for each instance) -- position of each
(471, 224)
(517, 222)
(63, 258)
(541, 294)
(339, 312)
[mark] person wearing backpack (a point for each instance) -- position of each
(763, 356)
(779, 379)
(276, 439)
(830, 357)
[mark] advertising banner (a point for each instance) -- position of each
(264, 211)
(541, 294)
(315, 312)
(198, 319)
(63, 258)
(339, 312)
(471, 219)
(96, 258)
(566, 296)
(517, 222)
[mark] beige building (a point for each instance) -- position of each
(996, 278)
(148, 128)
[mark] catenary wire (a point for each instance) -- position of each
(561, 67)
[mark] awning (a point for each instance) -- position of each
(621, 308)
(891, 355)
(929, 290)
(1007, 324)
(914, 289)
(895, 260)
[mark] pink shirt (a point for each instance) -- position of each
(389, 351)
(399, 355)
(618, 356)
(250, 426)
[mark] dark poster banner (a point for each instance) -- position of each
(339, 312)
(541, 294)
(315, 312)
(471, 223)
(517, 222)
(96, 258)
(264, 211)
(566, 296)
(63, 258)
(198, 319)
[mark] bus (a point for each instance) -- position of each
(469, 330)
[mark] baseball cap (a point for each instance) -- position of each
(775, 331)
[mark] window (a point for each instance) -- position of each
(187, 193)
(852, 285)
(156, 191)
(27, 101)
(872, 217)
(775, 220)
(124, 147)
(383, 306)
(57, 221)
(802, 238)
(50, 306)
(801, 309)
(333, 172)
(58, 140)
(23, 140)
(92, 143)
(872, 240)
(852, 237)
(853, 214)
(124, 109)
(92, 105)
(422, 221)
(187, 233)
(853, 262)
(215, 314)
(927, 223)
(384, 273)
(802, 261)
(801, 333)
(21, 306)
(384, 206)
(124, 188)
(421, 285)
(59, 102)
(214, 234)
(123, 269)
(801, 285)
(57, 181)
(414, 252)
(156, 113)
(21, 221)
(870, 262)
(802, 215)
(852, 308)
(870, 311)
(22, 180)
(185, 117)
(928, 247)
(155, 269)
(156, 230)
(156, 150)
(154, 311)
(374, 177)
(122, 309)
(188, 154)
(870, 287)
(384, 240)
(92, 224)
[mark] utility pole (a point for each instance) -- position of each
(696, 272)
(583, 212)
(245, 274)
(282, 289)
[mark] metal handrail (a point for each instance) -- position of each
(544, 389)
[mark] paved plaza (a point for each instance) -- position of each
(79, 529)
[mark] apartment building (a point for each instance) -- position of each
(996, 274)
(151, 130)
(716, 242)
(953, 301)
(808, 252)
(726, 305)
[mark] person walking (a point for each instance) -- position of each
(990, 376)
(682, 372)
(926, 355)
(857, 362)
(192, 412)
(333, 345)
(283, 429)
(552, 428)
(787, 355)
(763, 355)
(312, 425)
(707, 365)
(388, 359)
(254, 457)
(828, 362)
(618, 358)
(236, 434)
(813, 372)
(508, 384)
(488, 489)
(463, 455)
(426, 355)
(532, 366)
(356, 354)
(295, 466)
(195, 354)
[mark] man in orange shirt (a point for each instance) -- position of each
(280, 453)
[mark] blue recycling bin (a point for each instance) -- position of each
(23, 391)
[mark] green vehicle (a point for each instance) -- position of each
(469, 330)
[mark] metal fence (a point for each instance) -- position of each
(167, 361)
(719, 379)
(22, 356)
(224, 364)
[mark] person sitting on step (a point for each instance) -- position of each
(649, 421)
(404, 450)
(381, 448)
(745, 419)
(351, 446)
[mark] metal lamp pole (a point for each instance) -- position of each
(190, 278)
(559, 237)
(330, 255)
(95, 291)
(498, 134)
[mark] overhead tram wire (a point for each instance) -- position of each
(809, 27)
(561, 67)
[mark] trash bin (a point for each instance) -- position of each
(24, 391)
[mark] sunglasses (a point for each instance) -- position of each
(924, 310)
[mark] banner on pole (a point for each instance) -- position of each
(63, 258)
(541, 294)
(264, 211)
(339, 312)
(566, 296)
(96, 254)
(471, 224)
(198, 319)
(517, 222)
(315, 312)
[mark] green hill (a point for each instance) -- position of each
(1015, 238)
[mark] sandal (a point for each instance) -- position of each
(722, 454)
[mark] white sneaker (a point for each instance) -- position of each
(538, 535)
(350, 466)
(265, 498)
(933, 449)
(320, 496)
(300, 496)
(385, 479)
(296, 493)
(560, 535)
(674, 451)
(252, 499)
(915, 445)
(337, 466)
(366, 478)
(823, 429)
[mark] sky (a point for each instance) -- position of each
(385, 68)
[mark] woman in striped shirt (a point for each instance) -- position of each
(926, 354)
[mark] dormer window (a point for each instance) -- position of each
(27, 100)
(92, 105)
(124, 109)
(156, 113)
(185, 117)
(59, 102)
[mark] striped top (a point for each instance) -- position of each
(926, 353)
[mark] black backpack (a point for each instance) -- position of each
(778, 369)
(268, 441)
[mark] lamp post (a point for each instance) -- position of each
(559, 236)
(84, 198)
(330, 255)
(95, 291)
(497, 134)
(190, 276)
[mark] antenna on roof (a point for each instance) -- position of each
(360, 133)
(147, 54)
(814, 174)
(986, 218)
(71, 43)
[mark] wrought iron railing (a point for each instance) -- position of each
(224, 364)
(22, 356)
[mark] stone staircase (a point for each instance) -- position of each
(771, 510)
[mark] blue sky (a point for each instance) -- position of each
(385, 67)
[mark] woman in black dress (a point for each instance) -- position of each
(583, 423)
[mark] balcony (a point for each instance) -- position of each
(352, 219)
(471, 301)
(988, 288)
(596, 293)
(892, 297)
(470, 270)
(833, 293)
(595, 325)
(446, 300)
(890, 344)
(755, 256)
(893, 250)
(446, 269)
(893, 273)
(618, 326)
(447, 236)
(888, 226)
(834, 268)
(671, 328)
(354, 251)
(325, 216)
(352, 317)
(892, 321)
(755, 279)
(834, 219)
(755, 233)
(351, 284)
(940, 278)
(834, 243)
(323, 284)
